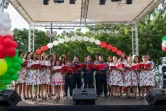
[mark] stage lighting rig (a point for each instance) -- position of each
(45, 2)
(115, 0)
(102, 2)
(128, 1)
(72, 1)
(58, 1)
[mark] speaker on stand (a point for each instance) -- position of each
(84, 96)
(9, 98)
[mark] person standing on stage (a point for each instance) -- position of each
(109, 61)
(94, 73)
(136, 62)
(63, 59)
(20, 82)
(88, 73)
(77, 75)
(102, 78)
(146, 76)
(115, 77)
(69, 73)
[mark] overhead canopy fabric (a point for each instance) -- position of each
(35, 11)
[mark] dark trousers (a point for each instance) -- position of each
(101, 82)
(77, 81)
(88, 80)
(69, 84)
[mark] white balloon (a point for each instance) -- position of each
(164, 43)
(49, 45)
(67, 39)
(55, 42)
(7, 26)
(79, 38)
(2, 32)
(61, 41)
(5, 14)
(54, 33)
(97, 42)
(73, 38)
(92, 40)
(86, 38)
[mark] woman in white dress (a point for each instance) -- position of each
(146, 76)
(37, 87)
(31, 79)
(122, 60)
(21, 78)
(45, 76)
(137, 71)
(63, 63)
(57, 78)
(109, 60)
(115, 78)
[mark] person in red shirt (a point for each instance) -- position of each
(69, 73)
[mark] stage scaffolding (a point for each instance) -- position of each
(82, 22)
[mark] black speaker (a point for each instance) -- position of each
(102, 2)
(9, 98)
(72, 1)
(128, 1)
(45, 2)
(84, 96)
(156, 97)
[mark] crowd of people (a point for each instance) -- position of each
(51, 81)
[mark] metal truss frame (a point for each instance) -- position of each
(2, 7)
(82, 22)
(135, 47)
(84, 11)
(21, 10)
(149, 7)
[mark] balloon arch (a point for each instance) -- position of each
(79, 38)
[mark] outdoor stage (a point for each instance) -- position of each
(99, 101)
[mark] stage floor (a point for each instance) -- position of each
(99, 101)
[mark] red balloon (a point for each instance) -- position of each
(103, 44)
(1, 39)
(9, 37)
(38, 51)
(109, 47)
(164, 48)
(114, 49)
(2, 49)
(14, 44)
(119, 52)
(43, 48)
(2, 55)
(7, 43)
(11, 52)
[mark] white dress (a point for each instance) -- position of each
(147, 77)
(57, 77)
(46, 73)
(22, 75)
(32, 75)
(115, 77)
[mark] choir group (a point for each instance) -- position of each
(45, 76)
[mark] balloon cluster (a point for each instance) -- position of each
(5, 24)
(79, 38)
(42, 49)
(14, 65)
(164, 43)
(10, 63)
(110, 47)
(7, 46)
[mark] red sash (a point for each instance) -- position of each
(25, 64)
(36, 66)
